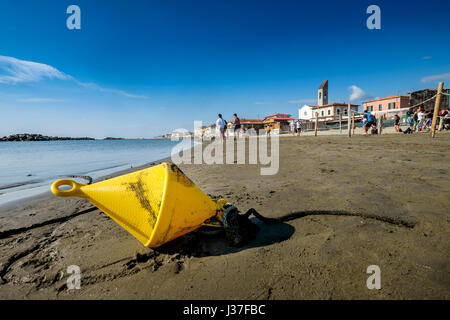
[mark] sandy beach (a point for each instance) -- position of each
(375, 200)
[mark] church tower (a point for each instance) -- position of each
(322, 94)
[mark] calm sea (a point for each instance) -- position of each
(29, 168)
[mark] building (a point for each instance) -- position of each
(278, 123)
(324, 110)
(322, 94)
(181, 133)
(247, 124)
(333, 111)
(417, 97)
(206, 132)
(305, 112)
(387, 104)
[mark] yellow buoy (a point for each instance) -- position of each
(155, 205)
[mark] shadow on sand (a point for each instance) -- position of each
(271, 231)
(197, 244)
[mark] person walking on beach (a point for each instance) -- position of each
(299, 127)
(397, 123)
(220, 125)
(225, 131)
(415, 120)
(369, 121)
(237, 126)
(293, 127)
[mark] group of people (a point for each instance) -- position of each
(296, 127)
(420, 120)
(417, 120)
(221, 125)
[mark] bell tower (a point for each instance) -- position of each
(322, 94)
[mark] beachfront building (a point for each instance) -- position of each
(332, 111)
(206, 132)
(256, 124)
(323, 110)
(278, 123)
(305, 113)
(181, 133)
(389, 104)
(246, 125)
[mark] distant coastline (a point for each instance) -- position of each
(38, 137)
(176, 135)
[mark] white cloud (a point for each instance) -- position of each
(31, 100)
(302, 101)
(357, 93)
(262, 102)
(119, 92)
(14, 71)
(443, 76)
(426, 57)
(19, 71)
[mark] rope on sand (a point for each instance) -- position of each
(390, 220)
(240, 230)
(297, 215)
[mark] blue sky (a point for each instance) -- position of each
(142, 68)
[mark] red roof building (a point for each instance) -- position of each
(387, 103)
(277, 122)
(250, 123)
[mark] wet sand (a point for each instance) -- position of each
(376, 200)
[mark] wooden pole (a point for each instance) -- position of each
(353, 125)
(379, 123)
(316, 124)
(436, 109)
(349, 120)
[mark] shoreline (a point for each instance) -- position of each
(332, 184)
(4, 207)
(27, 200)
(21, 190)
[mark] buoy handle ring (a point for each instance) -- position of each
(74, 190)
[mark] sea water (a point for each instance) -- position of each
(29, 168)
